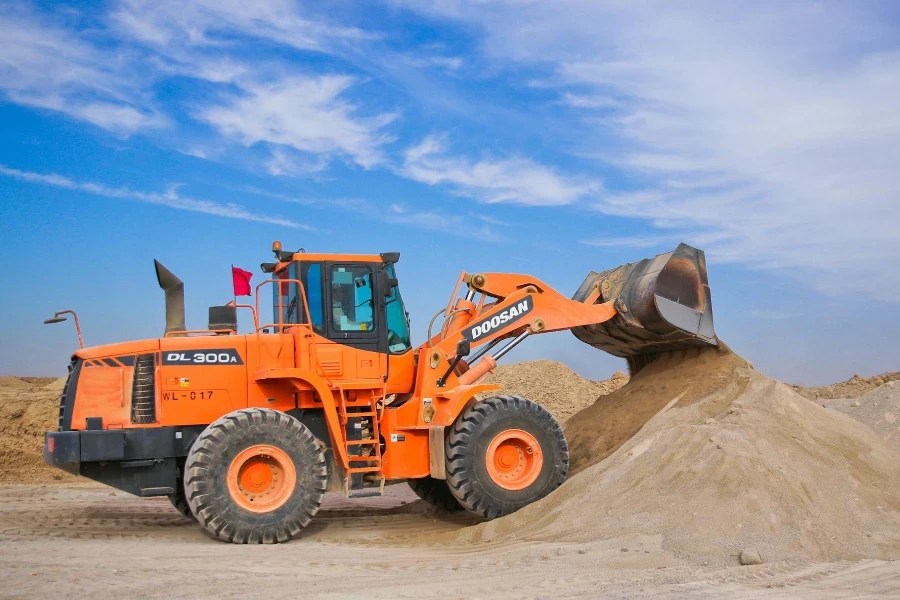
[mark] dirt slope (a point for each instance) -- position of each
(28, 408)
(725, 459)
(554, 385)
(854, 387)
(878, 409)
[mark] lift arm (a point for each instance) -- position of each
(510, 306)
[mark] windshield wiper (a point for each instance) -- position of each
(291, 308)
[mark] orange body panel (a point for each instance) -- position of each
(106, 392)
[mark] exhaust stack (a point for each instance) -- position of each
(174, 289)
(663, 304)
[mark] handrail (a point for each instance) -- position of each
(453, 296)
(252, 311)
(198, 332)
(280, 305)
(281, 325)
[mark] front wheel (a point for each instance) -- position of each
(503, 453)
(255, 476)
(435, 492)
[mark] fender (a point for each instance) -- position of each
(456, 400)
(329, 408)
(452, 404)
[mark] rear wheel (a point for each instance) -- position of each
(503, 453)
(179, 501)
(435, 492)
(255, 476)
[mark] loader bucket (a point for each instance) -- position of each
(663, 304)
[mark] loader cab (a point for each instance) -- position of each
(352, 300)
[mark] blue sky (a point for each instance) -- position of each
(525, 136)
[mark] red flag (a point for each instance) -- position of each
(241, 279)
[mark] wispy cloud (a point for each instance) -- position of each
(435, 220)
(170, 198)
(513, 180)
(770, 131)
(214, 23)
(489, 220)
(396, 213)
(50, 67)
(303, 113)
(635, 241)
(107, 76)
(195, 151)
(449, 63)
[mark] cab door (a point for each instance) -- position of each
(354, 318)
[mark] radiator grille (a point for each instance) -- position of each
(143, 390)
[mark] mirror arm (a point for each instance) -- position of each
(463, 348)
(443, 379)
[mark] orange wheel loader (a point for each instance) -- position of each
(246, 432)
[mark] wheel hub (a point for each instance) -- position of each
(261, 478)
(514, 459)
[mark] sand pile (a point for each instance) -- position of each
(725, 459)
(879, 410)
(854, 387)
(553, 385)
(29, 407)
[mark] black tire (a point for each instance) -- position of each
(467, 445)
(435, 492)
(207, 466)
(179, 501)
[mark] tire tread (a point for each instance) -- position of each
(206, 504)
(460, 448)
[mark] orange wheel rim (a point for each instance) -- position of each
(514, 459)
(261, 478)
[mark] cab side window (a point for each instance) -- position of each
(314, 296)
(352, 304)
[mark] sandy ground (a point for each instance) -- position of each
(78, 540)
(72, 538)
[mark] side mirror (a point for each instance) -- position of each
(385, 281)
(463, 348)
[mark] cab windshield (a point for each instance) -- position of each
(397, 319)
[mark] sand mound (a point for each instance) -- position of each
(27, 411)
(555, 386)
(879, 410)
(8, 382)
(854, 387)
(602, 427)
(724, 459)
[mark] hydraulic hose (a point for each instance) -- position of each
(436, 315)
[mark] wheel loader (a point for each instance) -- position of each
(246, 432)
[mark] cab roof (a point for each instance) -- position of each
(384, 257)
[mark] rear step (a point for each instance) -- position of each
(364, 492)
